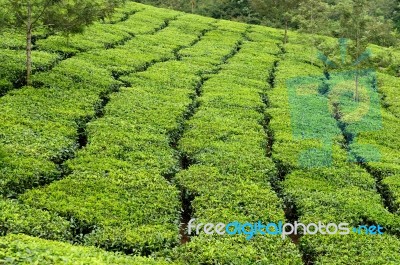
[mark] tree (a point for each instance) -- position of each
(279, 11)
(76, 15)
(359, 22)
(380, 32)
(354, 20)
(312, 16)
(106, 8)
(396, 14)
(67, 16)
(193, 4)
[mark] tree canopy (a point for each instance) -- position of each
(66, 16)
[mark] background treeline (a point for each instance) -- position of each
(380, 18)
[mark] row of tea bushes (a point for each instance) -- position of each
(229, 177)
(351, 249)
(388, 86)
(97, 36)
(144, 50)
(16, 39)
(101, 36)
(21, 249)
(336, 190)
(51, 116)
(10, 39)
(13, 71)
(41, 128)
(119, 184)
(16, 218)
(373, 132)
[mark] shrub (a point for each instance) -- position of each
(17, 218)
(20, 249)
(351, 249)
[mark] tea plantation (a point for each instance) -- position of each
(154, 117)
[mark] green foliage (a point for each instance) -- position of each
(118, 207)
(75, 15)
(396, 14)
(364, 122)
(269, 36)
(388, 86)
(277, 13)
(100, 36)
(358, 23)
(123, 12)
(39, 126)
(20, 249)
(228, 9)
(223, 197)
(351, 249)
(298, 112)
(206, 92)
(144, 49)
(385, 143)
(313, 16)
(230, 175)
(65, 16)
(17, 218)
(393, 185)
(322, 194)
(13, 69)
(223, 9)
(65, 81)
(12, 39)
(53, 16)
(128, 154)
(237, 250)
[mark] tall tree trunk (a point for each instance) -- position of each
(357, 52)
(312, 38)
(29, 46)
(193, 4)
(286, 32)
(356, 98)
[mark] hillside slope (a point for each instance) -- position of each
(156, 117)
